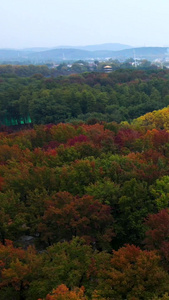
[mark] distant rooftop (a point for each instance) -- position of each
(107, 67)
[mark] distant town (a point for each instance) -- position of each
(66, 61)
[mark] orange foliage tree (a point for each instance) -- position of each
(63, 293)
(133, 274)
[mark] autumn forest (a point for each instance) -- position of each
(84, 186)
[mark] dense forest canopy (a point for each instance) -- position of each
(70, 194)
(122, 95)
(84, 206)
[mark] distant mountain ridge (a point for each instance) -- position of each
(77, 54)
(44, 55)
(99, 47)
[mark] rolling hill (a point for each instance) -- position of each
(58, 55)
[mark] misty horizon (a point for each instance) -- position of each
(80, 46)
(51, 24)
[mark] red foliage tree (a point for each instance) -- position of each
(158, 233)
(67, 216)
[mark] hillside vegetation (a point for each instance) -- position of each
(85, 212)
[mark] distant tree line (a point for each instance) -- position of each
(71, 67)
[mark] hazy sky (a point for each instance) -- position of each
(49, 23)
